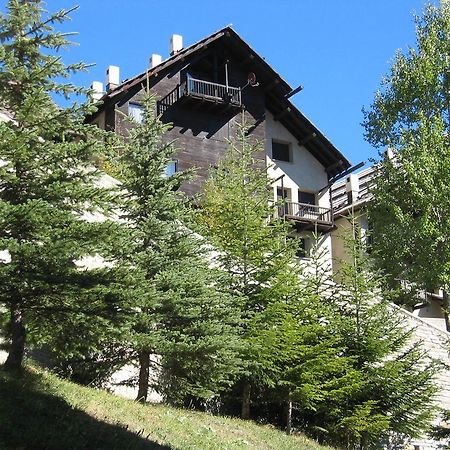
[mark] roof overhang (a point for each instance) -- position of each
(275, 88)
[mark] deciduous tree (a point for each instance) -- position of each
(410, 115)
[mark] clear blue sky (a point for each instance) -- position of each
(337, 49)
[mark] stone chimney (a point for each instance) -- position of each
(97, 87)
(112, 77)
(176, 44)
(155, 60)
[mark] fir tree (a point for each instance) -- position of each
(181, 316)
(255, 252)
(390, 379)
(47, 185)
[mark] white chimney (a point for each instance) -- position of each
(389, 153)
(352, 188)
(112, 77)
(154, 60)
(97, 87)
(176, 44)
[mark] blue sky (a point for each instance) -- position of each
(337, 49)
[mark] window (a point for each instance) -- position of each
(283, 199)
(170, 169)
(304, 246)
(283, 193)
(136, 112)
(307, 197)
(281, 151)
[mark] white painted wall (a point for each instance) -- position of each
(303, 173)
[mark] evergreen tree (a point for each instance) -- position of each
(410, 115)
(181, 316)
(48, 186)
(255, 251)
(390, 382)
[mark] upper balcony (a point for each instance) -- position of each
(201, 91)
(307, 216)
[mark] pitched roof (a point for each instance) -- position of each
(275, 88)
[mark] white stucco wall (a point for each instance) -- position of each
(303, 172)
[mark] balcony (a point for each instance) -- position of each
(196, 90)
(306, 216)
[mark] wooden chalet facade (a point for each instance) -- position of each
(203, 90)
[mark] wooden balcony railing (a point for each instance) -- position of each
(205, 90)
(306, 213)
(212, 91)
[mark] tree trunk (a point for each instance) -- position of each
(245, 413)
(18, 335)
(144, 373)
(289, 415)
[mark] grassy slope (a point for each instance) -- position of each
(39, 410)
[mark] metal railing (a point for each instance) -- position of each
(213, 91)
(307, 212)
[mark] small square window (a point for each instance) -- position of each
(171, 169)
(281, 151)
(136, 111)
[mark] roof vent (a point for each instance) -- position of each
(176, 44)
(112, 77)
(97, 88)
(155, 60)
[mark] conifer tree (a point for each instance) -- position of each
(48, 185)
(181, 316)
(255, 251)
(390, 386)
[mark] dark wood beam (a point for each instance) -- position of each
(247, 60)
(271, 85)
(306, 139)
(282, 113)
(334, 166)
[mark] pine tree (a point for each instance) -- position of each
(48, 185)
(255, 249)
(390, 387)
(181, 316)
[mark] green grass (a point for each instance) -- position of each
(41, 411)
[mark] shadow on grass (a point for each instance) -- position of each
(33, 419)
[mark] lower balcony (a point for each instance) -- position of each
(307, 216)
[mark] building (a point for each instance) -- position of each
(350, 198)
(205, 90)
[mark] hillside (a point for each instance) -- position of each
(39, 410)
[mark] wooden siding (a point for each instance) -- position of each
(201, 129)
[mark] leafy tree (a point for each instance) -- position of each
(410, 115)
(48, 187)
(255, 251)
(181, 316)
